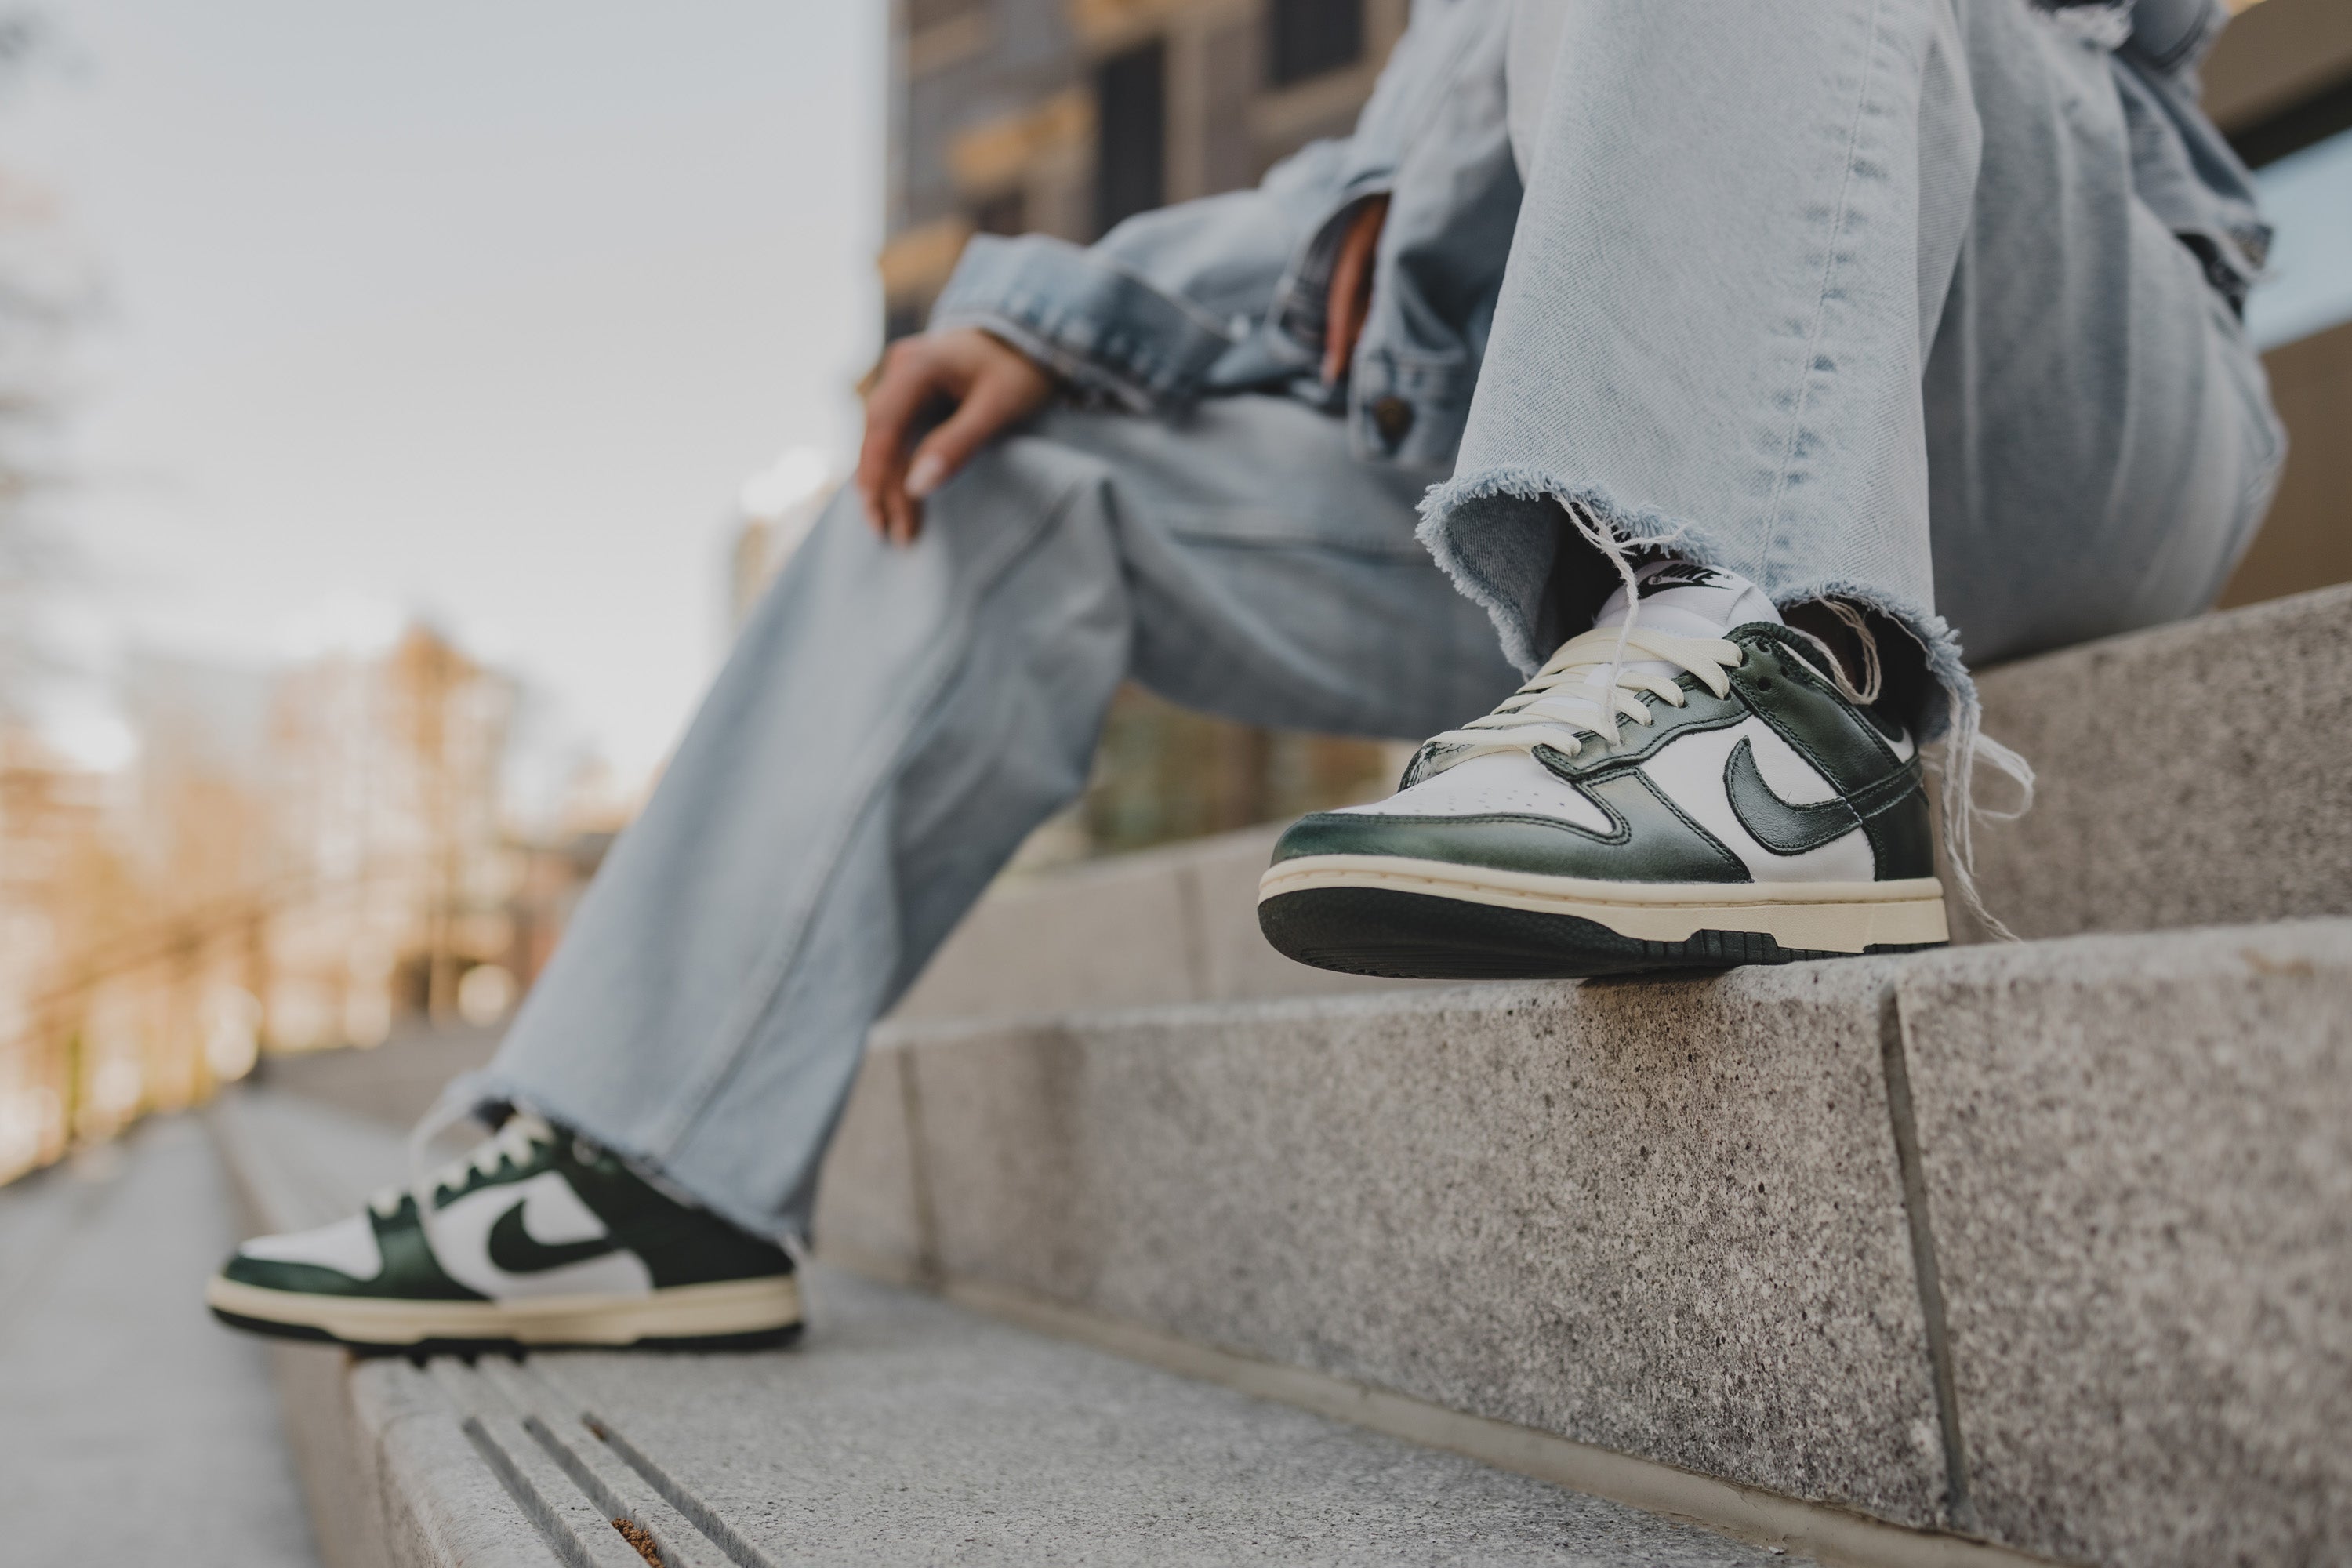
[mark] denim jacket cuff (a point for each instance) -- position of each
(1085, 317)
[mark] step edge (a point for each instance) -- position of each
(388, 1454)
(1833, 1536)
(1964, 963)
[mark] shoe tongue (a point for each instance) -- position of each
(1690, 601)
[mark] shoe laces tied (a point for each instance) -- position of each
(1563, 703)
(517, 1141)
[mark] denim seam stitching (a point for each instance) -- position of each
(1773, 520)
(702, 1088)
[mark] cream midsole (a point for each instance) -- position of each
(1829, 917)
(683, 1311)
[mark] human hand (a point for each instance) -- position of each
(993, 387)
(1351, 288)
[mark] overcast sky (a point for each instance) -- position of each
(484, 309)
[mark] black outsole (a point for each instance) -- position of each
(1421, 936)
(760, 1339)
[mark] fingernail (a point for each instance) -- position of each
(928, 475)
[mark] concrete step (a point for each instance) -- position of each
(1175, 924)
(2195, 774)
(905, 1429)
(396, 1080)
(2046, 1244)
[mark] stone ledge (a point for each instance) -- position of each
(2194, 774)
(1535, 1203)
(1177, 924)
(909, 1431)
(1586, 1210)
(2199, 774)
(2141, 1183)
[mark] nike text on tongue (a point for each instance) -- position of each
(1689, 600)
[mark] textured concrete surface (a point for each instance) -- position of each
(910, 1431)
(1661, 1217)
(132, 1430)
(2195, 774)
(2140, 1171)
(1103, 933)
(869, 1209)
(1178, 924)
(905, 1430)
(396, 1081)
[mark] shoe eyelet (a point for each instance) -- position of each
(1763, 683)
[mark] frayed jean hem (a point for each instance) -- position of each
(1497, 532)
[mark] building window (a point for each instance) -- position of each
(1130, 133)
(922, 14)
(1307, 37)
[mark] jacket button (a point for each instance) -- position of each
(1393, 417)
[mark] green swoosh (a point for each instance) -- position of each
(1780, 828)
(516, 1251)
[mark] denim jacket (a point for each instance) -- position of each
(1227, 293)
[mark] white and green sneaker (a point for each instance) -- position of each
(537, 1238)
(1694, 791)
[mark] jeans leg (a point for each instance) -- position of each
(1737, 231)
(892, 723)
(749, 918)
(2100, 441)
(1880, 316)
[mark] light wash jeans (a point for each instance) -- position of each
(1857, 298)
(892, 724)
(1853, 298)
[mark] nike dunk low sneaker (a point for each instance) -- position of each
(1689, 785)
(537, 1238)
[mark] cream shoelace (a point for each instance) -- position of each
(515, 1141)
(1562, 703)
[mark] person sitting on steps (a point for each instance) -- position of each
(1644, 402)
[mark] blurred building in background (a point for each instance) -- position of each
(389, 836)
(294, 859)
(2279, 84)
(1064, 117)
(773, 513)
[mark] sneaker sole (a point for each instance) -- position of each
(1432, 919)
(734, 1314)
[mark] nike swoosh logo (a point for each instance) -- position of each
(513, 1249)
(1772, 822)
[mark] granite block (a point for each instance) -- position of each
(867, 1206)
(2138, 1154)
(910, 1431)
(906, 1431)
(1105, 934)
(1237, 964)
(1174, 924)
(1664, 1216)
(2199, 774)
